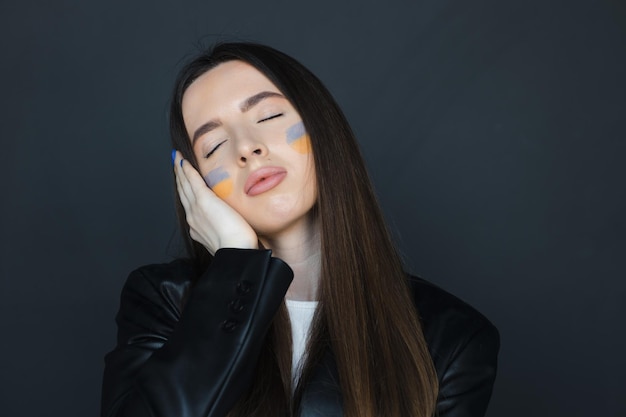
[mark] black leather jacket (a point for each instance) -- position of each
(196, 361)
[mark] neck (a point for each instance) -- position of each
(300, 248)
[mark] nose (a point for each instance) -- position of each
(250, 149)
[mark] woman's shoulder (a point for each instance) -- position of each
(178, 271)
(451, 325)
(463, 345)
(160, 283)
(435, 304)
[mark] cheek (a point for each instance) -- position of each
(219, 181)
(298, 139)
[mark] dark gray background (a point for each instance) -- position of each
(494, 132)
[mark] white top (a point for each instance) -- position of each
(301, 315)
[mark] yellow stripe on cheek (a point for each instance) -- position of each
(223, 188)
(302, 144)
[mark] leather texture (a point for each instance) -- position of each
(188, 350)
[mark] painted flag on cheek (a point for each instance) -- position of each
(298, 139)
(220, 182)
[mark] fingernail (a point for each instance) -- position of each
(181, 162)
(173, 156)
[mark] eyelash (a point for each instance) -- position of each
(213, 150)
(270, 118)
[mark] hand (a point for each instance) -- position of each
(212, 222)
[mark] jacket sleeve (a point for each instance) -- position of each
(194, 362)
(466, 384)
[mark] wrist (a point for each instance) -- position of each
(240, 244)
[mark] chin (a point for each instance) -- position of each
(275, 225)
(279, 209)
(279, 224)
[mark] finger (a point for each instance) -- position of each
(179, 187)
(196, 182)
(194, 178)
(181, 195)
(184, 188)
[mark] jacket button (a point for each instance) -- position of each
(229, 326)
(243, 287)
(236, 306)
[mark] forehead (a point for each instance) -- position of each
(224, 86)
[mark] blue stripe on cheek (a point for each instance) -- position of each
(215, 176)
(295, 132)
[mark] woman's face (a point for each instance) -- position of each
(251, 146)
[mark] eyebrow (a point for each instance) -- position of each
(205, 128)
(250, 102)
(247, 104)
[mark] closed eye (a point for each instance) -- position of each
(214, 149)
(270, 118)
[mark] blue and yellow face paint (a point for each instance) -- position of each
(220, 182)
(298, 139)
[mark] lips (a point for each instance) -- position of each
(264, 179)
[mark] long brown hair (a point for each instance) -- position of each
(366, 317)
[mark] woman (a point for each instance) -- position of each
(276, 205)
